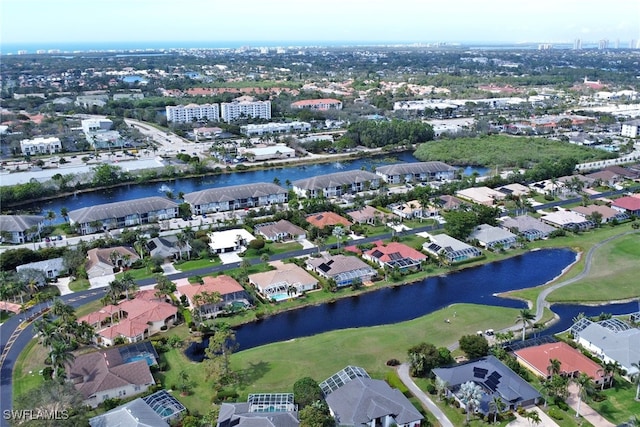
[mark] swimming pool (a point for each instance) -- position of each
(142, 356)
(280, 297)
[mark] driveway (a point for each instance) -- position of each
(229, 258)
(101, 281)
(586, 411)
(545, 420)
(403, 374)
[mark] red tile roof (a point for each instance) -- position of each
(385, 253)
(306, 102)
(571, 360)
(222, 284)
(628, 203)
(324, 219)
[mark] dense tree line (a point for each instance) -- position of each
(372, 133)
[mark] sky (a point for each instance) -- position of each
(514, 21)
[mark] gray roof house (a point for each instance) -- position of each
(336, 184)
(18, 226)
(612, 340)
(51, 268)
(491, 237)
(123, 214)
(355, 399)
(281, 230)
(260, 410)
(494, 377)
(420, 172)
(453, 249)
(236, 197)
(167, 247)
(343, 269)
(529, 227)
(154, 410)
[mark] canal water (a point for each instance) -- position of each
(188, 185)
(477, 285)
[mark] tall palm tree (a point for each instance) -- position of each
(496, 405)
(140, 245)
(60, 355)
(585, 389)
(47, 331)
(64, 213)
(127, 283)
(525, 317)
(441, 386)
(635, 378)
(181, 242)
(554, 367)
(533, 417)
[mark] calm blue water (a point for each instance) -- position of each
(568, 311)
(188, 185)
(391, 305)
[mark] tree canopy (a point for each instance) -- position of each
(474, 346)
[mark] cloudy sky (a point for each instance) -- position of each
(46, 21)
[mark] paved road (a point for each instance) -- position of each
(403, 374)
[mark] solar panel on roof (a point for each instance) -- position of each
(395, 256)
(376, 254)
(324, 268)
(479, 372)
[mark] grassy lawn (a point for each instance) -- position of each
(614, 274)
(620, 403)
(79, 285)
(137, 273)
(197, 263)
(26, 372)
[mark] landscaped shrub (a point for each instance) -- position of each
(47, 372)
(257, 244)
(431, 389)
(223, 395)
(562, 405)
(393, 362)
(556, 414)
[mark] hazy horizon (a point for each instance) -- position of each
(100, 22)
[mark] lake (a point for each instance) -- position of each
(477, 285)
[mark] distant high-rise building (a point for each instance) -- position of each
(191, 112)
(545, 46)
(603, 44)
(617, 43)
(577, 44)
(245, 107)
(632, 44)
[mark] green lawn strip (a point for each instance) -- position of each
(137, 273)
(195, 264)
(272, 368)
(30, 359)
(79, 285)
(620, 403)
(85, 309)
(614, 274)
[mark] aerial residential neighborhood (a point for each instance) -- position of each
(321, 234)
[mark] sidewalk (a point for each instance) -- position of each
(585, 410)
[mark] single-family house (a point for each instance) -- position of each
(168, 247)
(156, 410)
(234, 240)
(449, 203)
(106, 374)
(355, 399)
(492, 237)
(345, 270)
(327, 219)
(605, 177)
(413, 209)
(280, 230)
(395, 255)
(624, 172)
(103, 261)
(260, 409)
(527, 226)
(20, 228)
(567, 220)
(481, 195)
(452, 249)
(611, 340)
(50, 268)
(283, 282)
(515, 190)
(628, 204)
(212, 296)
(572, 362)
(494, 378)
(336, 184)
(370, 215)
(606, 213)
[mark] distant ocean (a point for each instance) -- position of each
(71, 47)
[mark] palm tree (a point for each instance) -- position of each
(140, 245)
(64, 213)
(60, 355)
(338, 232)
(470, 395)
(525, 316)
(496, 405)
(554, 367)
(441, 386)
(585, 389)
(47, 331)
(50, 216)
(635, 378)
(127, 283)
(608, 370)
(533, 417)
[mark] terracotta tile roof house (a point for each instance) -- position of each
(369, 215)
(357, 400)
(123, 214)
(628, 204)
(100, 263)
(286, 281)
(281, 230)
(395, 255)
(529, 227)
(495, 379)
(343, 269)
(229, 289)
(418, 172)
(102, 375)
(453, 249)
(17, 226)
(327, 219)
(607, 213)
(336, 184)
(139, 318)
(572, 362)
(491, 237)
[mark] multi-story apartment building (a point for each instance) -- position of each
(245, 107)
(318, 104)
(30, 147)
(187, 113)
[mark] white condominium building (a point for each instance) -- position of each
(187, 113)
(40, 146)
(240, 109)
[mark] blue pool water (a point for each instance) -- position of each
(149, 358)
